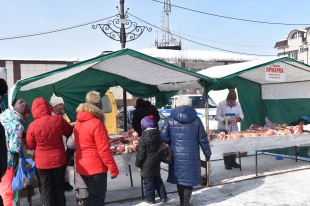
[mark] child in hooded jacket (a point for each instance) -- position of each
(147, 162)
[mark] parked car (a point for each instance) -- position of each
(198, 103)
(130, 116)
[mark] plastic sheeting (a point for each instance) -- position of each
(258, 143)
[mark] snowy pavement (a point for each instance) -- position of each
(229, 188)
(289, 189)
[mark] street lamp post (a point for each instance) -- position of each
(123, 43)
(116, 29)
(123, 22)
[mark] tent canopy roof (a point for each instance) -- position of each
(125, 63)
(276, 88)
(255, 71)
(140, 75)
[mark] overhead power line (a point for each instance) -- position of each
(234, 18)
(53, 31)
(199, 42)
(243, 45)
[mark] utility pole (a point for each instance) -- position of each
(123, 43)
(123, 22)
(116, 29)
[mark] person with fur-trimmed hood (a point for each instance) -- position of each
(93, 155)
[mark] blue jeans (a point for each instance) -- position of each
(97, 188)
(152, 184)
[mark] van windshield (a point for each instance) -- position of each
(199, 102)
(106, 104)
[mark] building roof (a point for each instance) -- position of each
(195, 55)
(281, 43)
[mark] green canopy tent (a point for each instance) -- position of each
(277, 88)
(140, 75)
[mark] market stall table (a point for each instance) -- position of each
(258, 143)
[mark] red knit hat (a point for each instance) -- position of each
(22, 107)
(147, 121)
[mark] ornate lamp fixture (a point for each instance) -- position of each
(122, 29)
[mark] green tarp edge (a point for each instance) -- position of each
(74, 92)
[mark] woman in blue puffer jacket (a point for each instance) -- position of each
(184, 132)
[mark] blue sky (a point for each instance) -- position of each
(35, 16)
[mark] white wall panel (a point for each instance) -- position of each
(286, 91)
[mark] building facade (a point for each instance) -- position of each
(295, 45)
(20, 69)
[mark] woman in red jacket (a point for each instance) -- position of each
(93, 155)
(44, 136)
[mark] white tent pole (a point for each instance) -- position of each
(207, 113)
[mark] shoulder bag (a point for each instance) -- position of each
(165, 154)
(24, 173)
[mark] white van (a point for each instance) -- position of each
(198, 102)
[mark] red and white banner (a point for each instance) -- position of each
(275, 72)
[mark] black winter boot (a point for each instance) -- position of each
(234, 164)
(181, 194)
(187, 195)
(227, 162)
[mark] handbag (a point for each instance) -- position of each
(24, 173)
(165, 154)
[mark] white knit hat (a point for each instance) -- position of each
(183, 101)
(56, 100)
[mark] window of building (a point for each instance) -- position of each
(301, 49)
(293, 55)
(296, 35)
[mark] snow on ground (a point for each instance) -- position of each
(229, 188)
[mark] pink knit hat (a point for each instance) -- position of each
(22, 107)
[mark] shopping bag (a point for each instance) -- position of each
(24, 174)
(165, 154)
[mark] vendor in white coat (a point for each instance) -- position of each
(228, 114)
